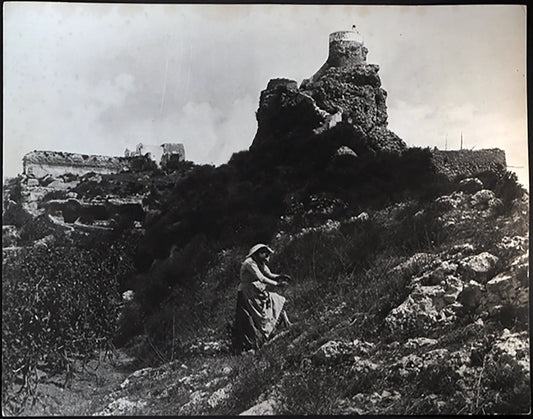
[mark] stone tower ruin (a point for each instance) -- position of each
(345, 90)
(346, 50)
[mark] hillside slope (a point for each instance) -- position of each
(415, 308)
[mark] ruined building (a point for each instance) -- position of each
(41, 163)
(159, 153)
(55, 163)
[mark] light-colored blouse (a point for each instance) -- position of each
(251, 275)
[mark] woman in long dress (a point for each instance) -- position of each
(258, 310)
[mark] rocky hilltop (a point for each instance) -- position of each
(344, 90)
(408, 296)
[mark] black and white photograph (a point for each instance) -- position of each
(265, 209)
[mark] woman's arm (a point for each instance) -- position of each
(269, 274)
(256, 271)
(279, 277)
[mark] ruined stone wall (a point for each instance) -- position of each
(42, 163)
(453, 163)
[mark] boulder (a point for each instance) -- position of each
(10, 236)
(414, 264)
(478, 267)
(482, 198)
(268, 407)
(471, 295)
(330, 352)
(219, 396)
(513, 347)
(415, 343)
(363, 365)
(345, 151)
(470, 185)
(58, 184)
(456, 200)
(359, 218)
(123, 407)
(453, 287)
(421, 311)
(338, 351)
(441, 273)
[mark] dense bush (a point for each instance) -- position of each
(241, 203)
(142, 164)
(58, 304)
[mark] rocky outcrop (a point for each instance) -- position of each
(356, 93)
(285, 110)
(462, 280)
(345, 90)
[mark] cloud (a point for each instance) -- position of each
(97, 78)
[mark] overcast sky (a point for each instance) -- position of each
(98, 78)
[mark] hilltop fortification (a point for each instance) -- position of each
(344, 90)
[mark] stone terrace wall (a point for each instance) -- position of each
(467, 162)
(41, 163)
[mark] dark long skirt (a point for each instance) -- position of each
(255, 319)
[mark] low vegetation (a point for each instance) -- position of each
(340, 230)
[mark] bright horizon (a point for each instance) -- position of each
(100, 78)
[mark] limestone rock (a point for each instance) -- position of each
(413, 264)
(122, 407)
(482, 198)
(345, 151)
(462, 249)
(219, 396)
(422, 310)
(453, 287)
(415, 343)
(338, 351)
(470, 185)
(10, 235)
(32, 182)
(362, 217)
(456, 200)
(512, 246)
(478, 267)
(513, 347)
(363, 365)
(356, 90)
(268, 407)
(330, 352)
(442, 272)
